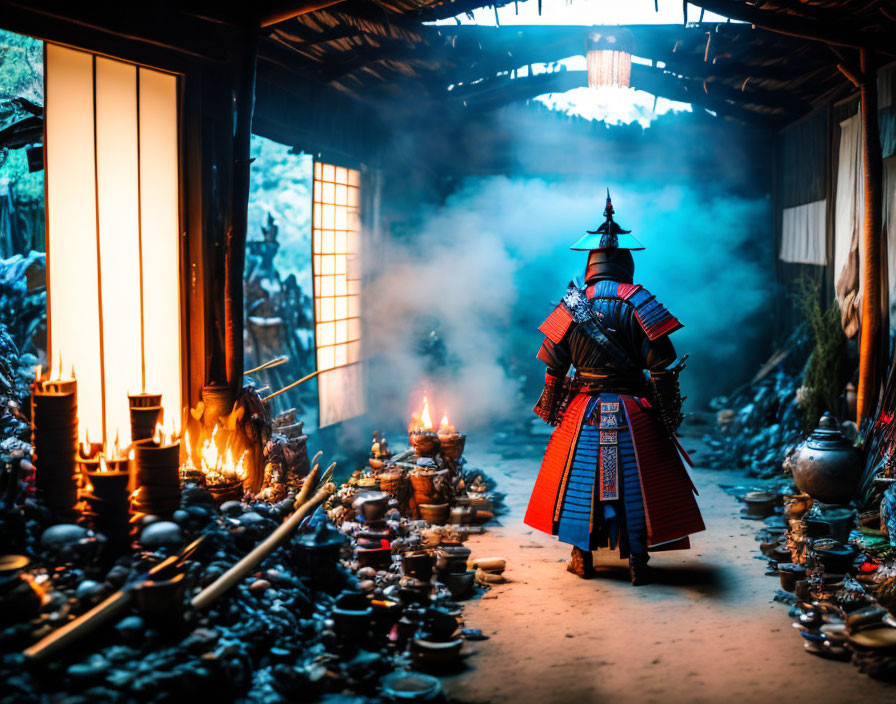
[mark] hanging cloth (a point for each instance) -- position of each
(803, 234)
(849, 209)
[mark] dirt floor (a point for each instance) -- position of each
(708, 631)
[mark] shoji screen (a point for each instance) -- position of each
(112, 235)
(336, 265)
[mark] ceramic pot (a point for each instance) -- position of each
(782, 554)
(417, 564)
(460, 584)
(830, 521)
(371, 505)
(392, 482)
(431, 652)
(377, 557)
(760, 503)
(790, 574)
(411, 687)
(835, 557)
(827, 466)
(434, 513)
(451, 558)
(424, 488)
(352, 615)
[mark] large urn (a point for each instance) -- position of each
(827, 466)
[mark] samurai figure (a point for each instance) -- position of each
(613, 473)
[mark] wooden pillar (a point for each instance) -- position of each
(235, 247)
(871, 359)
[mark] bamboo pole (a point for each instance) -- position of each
(270, 364)
(870, 357)
(294, 384)
(232, 577)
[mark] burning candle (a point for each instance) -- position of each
(145, 412)
(107, 499)
(157, 462)
(452, 442)
(54, 427)
(420, 432)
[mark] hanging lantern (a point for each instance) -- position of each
(609, 59)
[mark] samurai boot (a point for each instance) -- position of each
(581, 563)
(640, 571)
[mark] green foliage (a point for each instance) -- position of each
(21, 67)
(822, 378)
(21, 76)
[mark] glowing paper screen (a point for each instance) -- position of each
(112, 239)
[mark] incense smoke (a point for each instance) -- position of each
(484, 268)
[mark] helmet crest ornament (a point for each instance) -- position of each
(610, 235)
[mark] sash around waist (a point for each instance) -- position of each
(597, 381)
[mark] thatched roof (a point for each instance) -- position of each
(382, 54)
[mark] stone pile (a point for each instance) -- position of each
(362, 591)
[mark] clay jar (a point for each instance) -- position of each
(417, 564)
(424, 487)
(827, 466)
(452, 559)
(436, 514)
(790, 573)
(760, 503)
(391, 482)
(371, 505)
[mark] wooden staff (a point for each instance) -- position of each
(292, 385)
(107, 611)
(276, 362)
(235, 574)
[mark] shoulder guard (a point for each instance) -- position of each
(556, 324)
(576, 303)
(653, 317)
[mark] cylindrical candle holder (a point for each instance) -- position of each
(146, 413)
(424, 442)
(452, 445)
(158, 477)
(54, 427)
(107, 502)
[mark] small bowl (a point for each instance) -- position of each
(460, 584)
(761, 503)
(427, 651)
(790, 573)
(782, 554)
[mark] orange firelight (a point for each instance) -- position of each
(425, 418)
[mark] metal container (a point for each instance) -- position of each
(827, 466)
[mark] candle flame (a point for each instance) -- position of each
(85, 446)
(425, 417)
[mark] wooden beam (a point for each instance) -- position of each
(493, 93)
(280, 12)
(802, 27)
(871, 360)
